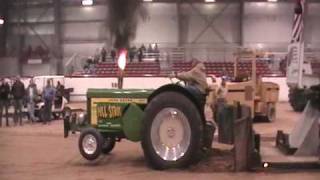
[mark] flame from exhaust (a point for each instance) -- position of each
(122, 59)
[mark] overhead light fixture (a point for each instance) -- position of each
(1, 21)
(272, 0)
(87, 2)
(147, 0)
(209, 1)
(260, 45)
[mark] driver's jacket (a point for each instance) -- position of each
(195, 77)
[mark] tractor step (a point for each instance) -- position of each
(273, 157)
(282, 143)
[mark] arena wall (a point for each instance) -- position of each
(80, 85)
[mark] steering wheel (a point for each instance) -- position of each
(179, 82)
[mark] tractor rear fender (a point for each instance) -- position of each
(182, 90)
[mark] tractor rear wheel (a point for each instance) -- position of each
(90, 143)
(172, 131)
(297, 99)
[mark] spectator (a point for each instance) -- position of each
(40, 51)
(29, 51)
(32, 95)
(103, 54)
(89, 66)
(283, 65)
(143, 48)
(59, 94)
(150, 51)
(222, 93)
(96, 57)
(4, 100)
(48, 96)
(113, 55)
(156, 52)
(132, 53)
(18, 92)
(140, 54)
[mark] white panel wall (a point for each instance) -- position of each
(83, 49)
(161, 26)
(264, 23)
(84, 13)
(11, 62)
(313, 25)
(38, 69)
(227, 23)
(32, 14)
(268, 23)
(81, 85)
(41, 29)
(84, 31)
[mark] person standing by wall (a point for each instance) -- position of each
(150, 51)
(59, 94)
(18, 92)
(132, 53)
(103, 54)
(113, 54)
(32, 94)
(48, 96)
(96, 57)
(156, 52)
(4, 100)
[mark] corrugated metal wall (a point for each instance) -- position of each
(84, 29)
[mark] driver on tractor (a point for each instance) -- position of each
(196, 84)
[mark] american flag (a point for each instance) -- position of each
(297, 29)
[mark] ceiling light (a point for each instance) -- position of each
(209, 1)
(272, 0)
(147, 0)
(260, 45)
(87, 2)
(1, 21)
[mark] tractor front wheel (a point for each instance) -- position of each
(90, 143)
(271, 112)
(172, 131)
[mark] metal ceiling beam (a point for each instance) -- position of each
(241, 27)
(183, 21)
(3, 28)
(97, 3)
(221, 1)
(58, 36)
(33, 23)
(42, 14)
(84, 41)
(209, 23)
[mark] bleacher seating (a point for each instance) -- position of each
(225, 68)
(132, 69)
(315, 68)
(137, 69)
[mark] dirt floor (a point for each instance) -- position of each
(39, 151)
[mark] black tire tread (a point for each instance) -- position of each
(172, 99)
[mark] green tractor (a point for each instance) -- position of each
(169, 122)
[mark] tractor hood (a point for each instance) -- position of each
(119, 93)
